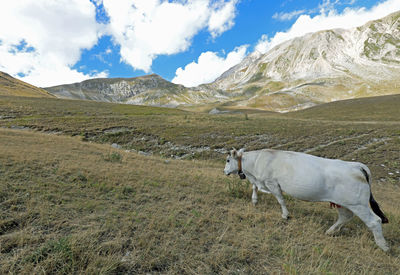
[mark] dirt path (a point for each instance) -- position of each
(310, 150)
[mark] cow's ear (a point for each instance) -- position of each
(240, 153)
(234, 153)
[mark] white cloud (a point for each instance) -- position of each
(209, 66)
(221, 18)
(328, 18)
(284, 16)
(149, 28)
(263, 44)
(40, 40)
(57, 74)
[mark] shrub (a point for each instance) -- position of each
(113, 157)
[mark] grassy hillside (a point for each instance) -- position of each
(381, 108)
(13, 87)
(69, 206)
(70, 203)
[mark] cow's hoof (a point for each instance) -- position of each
(384, 247)
(254, 203)
(285, 217)
(329, 232)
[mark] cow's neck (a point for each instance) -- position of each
(240, 170)
(248, 163)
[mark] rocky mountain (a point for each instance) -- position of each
(302, 72)
(145, 90)
(14, 87)
(320, 67)
(126, 90)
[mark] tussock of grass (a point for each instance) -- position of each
(113, 157)
(65, 209)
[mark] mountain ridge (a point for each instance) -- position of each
(143, 90)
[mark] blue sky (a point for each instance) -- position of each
(187, 41)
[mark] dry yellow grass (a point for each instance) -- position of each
(69, 206)
(10, 86)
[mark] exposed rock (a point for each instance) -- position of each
(116, 146)
(216, 111)
(116, 130)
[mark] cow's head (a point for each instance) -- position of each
(231, 165)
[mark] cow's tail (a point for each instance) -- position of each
(374, 205)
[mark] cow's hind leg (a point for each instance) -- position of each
(254, 195)
(373, 222)
(344, 216)
(277, 192)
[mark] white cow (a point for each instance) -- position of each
(310, 178)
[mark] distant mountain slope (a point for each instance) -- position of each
(145, 90)
(321, 67)
(114, 89)
(14, 87)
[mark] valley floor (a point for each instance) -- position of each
(71, 203)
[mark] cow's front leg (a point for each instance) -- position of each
(254, 195)
(277, 192)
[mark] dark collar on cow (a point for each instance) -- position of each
(240, 171)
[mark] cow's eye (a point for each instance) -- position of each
(227, 160)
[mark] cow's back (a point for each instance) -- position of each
(305, 176)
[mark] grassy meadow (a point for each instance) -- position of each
(71, 203)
